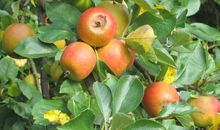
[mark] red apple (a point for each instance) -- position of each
(96, 26)
(132, 55)
(115, 55)
(79, 59)
(14, 34)
(208, 106)
(157, 95)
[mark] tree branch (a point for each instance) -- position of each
(142, 69)
(34, 71)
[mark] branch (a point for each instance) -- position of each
(44, 80)
(34, 71)
(142, 69)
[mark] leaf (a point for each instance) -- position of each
(40, 108)
(181, 19)
(60, 12)
(191, 65)
(141, 39)
(180, 37)
(20, 108)
(33, 48)
(103, 98)
(163, 55)
(78, 103)
(162, 24)
(111, 82)
(70, 87)
(121, 121)
(83, 122)
(193, 7)
(185, 120)
(204, 31)
(145, 125)
(8, 69)
(128, 94)
(54, 32)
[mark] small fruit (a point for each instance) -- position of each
(14, 34)
(115, 55)
(82, 5)
(208, 106)
(55, 71)
(157, 95)
(121, 14)
(96, 27)
(79, 59)
(60, 44)
(30, 79)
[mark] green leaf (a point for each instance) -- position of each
(162, 24)
(128, 94)
(8, 69)
(44, 106)
(70, 87)
(193, 7)
(54, 32)
(5, 19)
(33, 48)
(141, 39)
(121, 121)
(82, 122)
(13, 90)
(163, 55)
(145, 125)
(20, 108)
(191, 66)
(217, 1)
(204, 31)
(103, 98)
(180, 37)
(176, 109)
(185, 120)
(30, 92)
(78, 103)
(181, 19)
(111, 82)
(63, 13)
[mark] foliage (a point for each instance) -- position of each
(183, 52)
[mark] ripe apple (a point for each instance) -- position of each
(79, 59)
(96, 26)
(208, 106)
(115, 55)
(132, 55)
(14, 34)
(121, 14)
(157, 95)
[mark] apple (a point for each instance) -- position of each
(115, 55)
(132, 55)
(121, 14)
(96, 26)
(14, 34)
(157, 95)
(79, 59)
(208, 106)
(30, 79)
(82, 5)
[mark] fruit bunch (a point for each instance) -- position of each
(100, 29)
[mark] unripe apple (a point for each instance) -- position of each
(208, 106)
(55, 71)
(79, 59)
(121, 14)
(14, 34)
(96, 26)
(157, 95)
(30, 79)
(115, 55)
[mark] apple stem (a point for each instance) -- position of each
(142, 69)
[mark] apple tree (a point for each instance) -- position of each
(109, 65)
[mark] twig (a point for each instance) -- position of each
(44, 80)
(142, 69)
(36, 76)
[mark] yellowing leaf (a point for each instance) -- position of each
(60, 44)
(19, 62)
(170, 75)
(33, 2)
(216, 123)
(159, 6)
(56, 116)
(141, 11)
(141, 39)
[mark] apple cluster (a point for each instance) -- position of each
(159, 94)
(99, 29)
